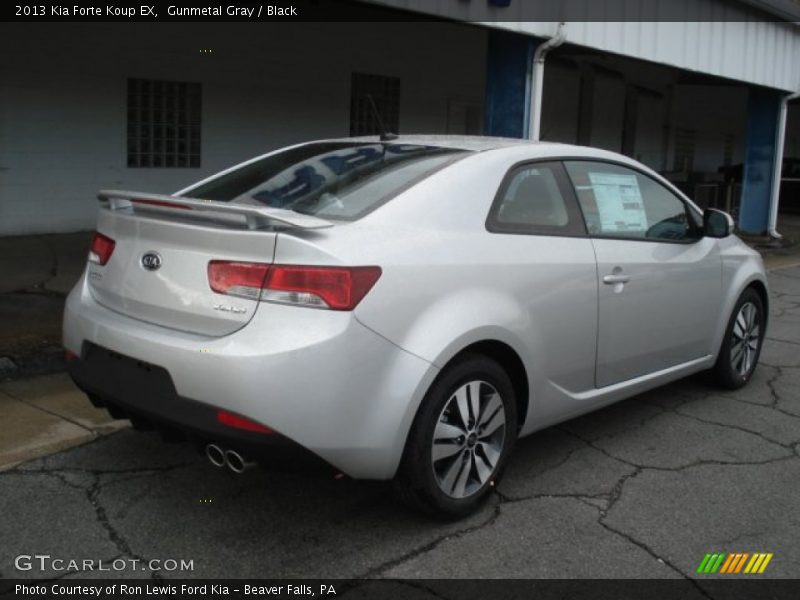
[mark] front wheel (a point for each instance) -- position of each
(741, 346)
(460, 439)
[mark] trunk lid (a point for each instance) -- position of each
(177, 294)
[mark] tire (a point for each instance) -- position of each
(738, 355)
(453, 477)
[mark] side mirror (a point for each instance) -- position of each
(717, 224)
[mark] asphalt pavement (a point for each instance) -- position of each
(643, 489)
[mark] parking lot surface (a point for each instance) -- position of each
(643, 489)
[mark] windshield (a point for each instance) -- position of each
(338, 180)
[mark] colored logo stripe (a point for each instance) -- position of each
(711, 563)
(758, 563)
(735, 562)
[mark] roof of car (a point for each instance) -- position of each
(475, 143)
(478, 143)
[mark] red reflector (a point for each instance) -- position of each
(70, 356)
(162, 203)
(238, 278)
(234, 420)
(101, 249)
(342, 288)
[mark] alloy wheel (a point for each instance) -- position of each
(468, 439)
(746, 336)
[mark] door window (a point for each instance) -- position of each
(530, 200)
(622, 203)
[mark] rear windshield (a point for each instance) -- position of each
(337, 180)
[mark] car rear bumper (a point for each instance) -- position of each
(318, 378)
(145, 394)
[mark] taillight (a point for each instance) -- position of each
(237, 278)
(101, 249)
(335, 288)
(338, 288)
(239, 422)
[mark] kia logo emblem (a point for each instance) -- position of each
(151, 261)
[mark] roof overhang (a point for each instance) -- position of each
(787, 10)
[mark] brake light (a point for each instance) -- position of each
(335, 288)
(101, 249)
(160, 203)
(239, 422)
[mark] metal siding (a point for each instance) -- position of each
(718, 37)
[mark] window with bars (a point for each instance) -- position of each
(385, 92)
(163, 123)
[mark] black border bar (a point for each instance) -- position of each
(728, 588)
(286, 11)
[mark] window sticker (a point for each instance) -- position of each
(619, 203)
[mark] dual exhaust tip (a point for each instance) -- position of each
(220, 457)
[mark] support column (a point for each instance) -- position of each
(763, 109)
(508, 86)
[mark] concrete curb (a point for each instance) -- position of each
(47, 414)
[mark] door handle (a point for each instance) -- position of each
(614, 279)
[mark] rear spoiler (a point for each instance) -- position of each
(255, 216)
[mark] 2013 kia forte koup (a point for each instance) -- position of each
(406, 309)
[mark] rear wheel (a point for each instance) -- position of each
(460, 439)
(741, 346)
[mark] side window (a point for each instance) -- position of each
(620, 202)
(531, 200)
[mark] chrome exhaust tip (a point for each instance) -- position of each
(215, 455)
(237, 463)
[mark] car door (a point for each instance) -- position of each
(659, 279)
(546, 261)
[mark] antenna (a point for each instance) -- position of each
(386, 136)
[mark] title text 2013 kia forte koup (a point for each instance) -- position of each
(406, 308)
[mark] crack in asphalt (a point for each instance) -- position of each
(774, 339)
(425, 548)
(736, 427)
(116, 538)
(689, 465)
(776, 397)
(613, 498)
(92, 493)
(505, 499)
(638, 543)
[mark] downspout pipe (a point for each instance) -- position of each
(780, 140)
(537, 80)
